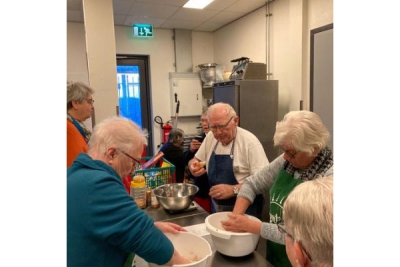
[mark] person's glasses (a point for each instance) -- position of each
(221, 126)
(282, 229)
(90, 101)
(291, 155)
(135, 163)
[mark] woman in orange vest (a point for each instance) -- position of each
(79, 109)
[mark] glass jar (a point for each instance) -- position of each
(154, 201)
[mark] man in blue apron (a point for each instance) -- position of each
(231, 154)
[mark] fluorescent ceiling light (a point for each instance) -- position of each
(199, 4)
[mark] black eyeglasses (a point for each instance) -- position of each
(282, 229)
(291, 155)
(221, 126)
(135, 163)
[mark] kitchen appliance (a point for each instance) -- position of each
(230, 243)
(256, 104)
(247, 70)
(207, 73)
(211, 73)
(190, 246)
(176, 197)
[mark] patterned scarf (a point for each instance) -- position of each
(321, 164)
(87, 133)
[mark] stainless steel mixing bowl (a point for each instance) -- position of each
(176, 196)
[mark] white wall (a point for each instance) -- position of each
(76, 57)
(202, 49)
(290, 26)
(243, 38)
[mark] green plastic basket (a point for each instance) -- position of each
(159, 174)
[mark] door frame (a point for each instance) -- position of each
(145, 95)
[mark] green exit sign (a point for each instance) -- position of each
(143, 30)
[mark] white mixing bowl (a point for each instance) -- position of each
(191, 246)
(230, 243)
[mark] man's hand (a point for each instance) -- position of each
(196, 167)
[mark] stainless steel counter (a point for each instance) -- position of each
(198, 216)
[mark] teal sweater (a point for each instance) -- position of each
(104, 224)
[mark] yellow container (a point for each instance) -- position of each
(138, 190)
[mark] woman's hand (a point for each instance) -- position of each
(168, 227)
(238, 223)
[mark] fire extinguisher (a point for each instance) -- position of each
(166, 129)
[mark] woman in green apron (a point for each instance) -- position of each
(303, 138)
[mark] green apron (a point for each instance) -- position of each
(282, 186)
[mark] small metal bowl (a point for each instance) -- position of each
(176, 196)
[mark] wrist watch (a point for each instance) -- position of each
(235, 190)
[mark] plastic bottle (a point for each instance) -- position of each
(138, 190)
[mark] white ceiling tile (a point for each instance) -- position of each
(225, 17)
(156, 22)
(246, 6)
(220, 5)
(209, 26)
(177, 3)
(159, 12)
(194, 14)
(153, 11)
(122, 7)
(181, 24)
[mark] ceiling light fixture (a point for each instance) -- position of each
(198, 4)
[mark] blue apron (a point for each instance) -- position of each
(220, 171)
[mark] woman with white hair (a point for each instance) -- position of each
(308, 223)
(303, 138)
